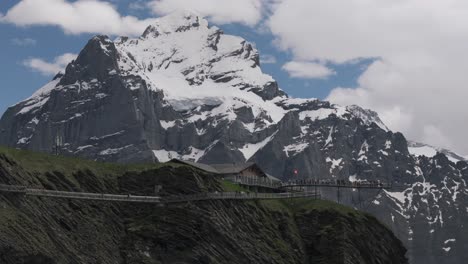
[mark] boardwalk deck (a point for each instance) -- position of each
(153, 199)
(335, 185)
(239, 196)
(310, 183)
(94, 196)
(78, 195)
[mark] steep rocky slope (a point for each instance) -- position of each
(48, 230)
(430, 213)
(184, 89)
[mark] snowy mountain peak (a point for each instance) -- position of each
(367, 116)
(180, 55)
(178, 21)
(199, 71)
(195, 65)
(421, 149)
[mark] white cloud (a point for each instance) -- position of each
(432, 133)
(23, 42)
(418, 83)
(307, 70)
(50, 68)
(267, 59)
(248, 12)
(138, 5)
(82, 16)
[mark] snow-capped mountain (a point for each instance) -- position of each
(421, 149)
(186, 90)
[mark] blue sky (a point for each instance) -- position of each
(19, 82)
(406, 60)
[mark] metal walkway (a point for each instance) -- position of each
(239, 196)
(153, 199)
(79, 195)
(337, 184)
(266, 183)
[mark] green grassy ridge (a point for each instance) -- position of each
(37, 162)
(229, 186)
(69, 173)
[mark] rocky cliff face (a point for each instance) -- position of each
(48, 230)
(186, 90)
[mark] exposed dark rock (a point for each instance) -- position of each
(50, 230)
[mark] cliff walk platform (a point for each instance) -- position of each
(266, 183)
(153, 199)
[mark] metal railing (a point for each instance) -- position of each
(267, 183)
(79, 195)
(12, 188)
(94, 196)
(255, 181)
(238, 196)
(338, 184)
(153, 199)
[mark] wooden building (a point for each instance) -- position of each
(231, 171)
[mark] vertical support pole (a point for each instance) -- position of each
(359, 195)
(56, 146)
(338, 194)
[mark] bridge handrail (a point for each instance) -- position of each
(92, 196)
(328, 183)
(237, 195)
(154, 199)
(260, 182)
(5, 187)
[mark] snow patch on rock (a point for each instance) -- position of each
(294, 149)
(248, 150)
(39, 98)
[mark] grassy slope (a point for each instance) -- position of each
(315, 222)
(39, 163)
(232, 187)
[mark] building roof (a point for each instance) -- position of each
(226, 168)
(201, 166)
(273, 178)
